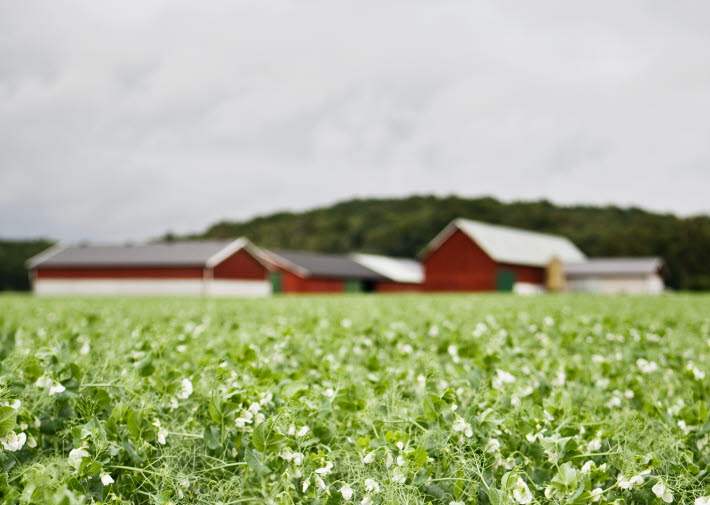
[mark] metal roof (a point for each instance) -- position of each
(512, 245)
(314, 264)
(601, 267)
(395, 269)
(182, 253)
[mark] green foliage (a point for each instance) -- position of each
(13, 254)
(368, 399)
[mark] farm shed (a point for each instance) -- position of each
(312, 272)
(616, 275)
(233, 267)
(474, 256)
(401, 274)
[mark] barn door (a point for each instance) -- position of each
(352, 286)
(505, 279)
(275, 279)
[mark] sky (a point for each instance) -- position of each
(123, 120)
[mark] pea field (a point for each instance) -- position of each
(362, 399)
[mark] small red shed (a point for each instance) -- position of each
(474, 256)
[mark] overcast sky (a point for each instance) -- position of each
(121, 120)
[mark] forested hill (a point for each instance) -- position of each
(402, 227)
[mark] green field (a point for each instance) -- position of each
(362, 399)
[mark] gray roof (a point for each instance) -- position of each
(182, 253)
(313, 264)
(600, 267)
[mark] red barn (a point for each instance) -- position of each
(474, 256)
(234, 267)
(311, 272)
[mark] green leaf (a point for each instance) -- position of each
(8, 418)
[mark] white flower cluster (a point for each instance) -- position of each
(252, 414)
(502, 377)
(54, 387)
(162, 432)
(460, 425)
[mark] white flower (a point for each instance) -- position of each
(329, 393)
(44, 382)
(366, 501)
(31, 442)
(492, 445)
(646, 366)
(185, 389)
(76, 455)
(303, 431)
(456, 503)
(400, 445)
(372, 486)
(369, 458)
(703, 500)
(13, 441)
(594, 445)
(305, 485)
(400, 460)
(661, 491)
(295, 457)
(398, 477)
(347, 492)
(697, 373)
(625, 483)
(461, 425)
(162, 432)
(106, 479)
(319, 483)
(521, 493)
(596, 494)
(502, 377)
(56, 388)
(326, 469)
(246, 418)
(587, 467)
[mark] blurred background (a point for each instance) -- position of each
(341, 126)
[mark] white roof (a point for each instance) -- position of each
(396, 269)
(504, 244)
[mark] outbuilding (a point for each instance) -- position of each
(233, 267)
(616, 275)
(314, 272)
(475, 256)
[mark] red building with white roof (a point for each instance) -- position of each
(474, 256)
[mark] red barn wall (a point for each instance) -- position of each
(119, 273)
(532, 275)
(292, 283)
(240, 265)
(459, 264)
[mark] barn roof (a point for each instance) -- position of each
(198, 253)
(395, 269)
(601, 267)
(314, 264)
(504, 244)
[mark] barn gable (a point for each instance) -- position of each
(512, 246)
